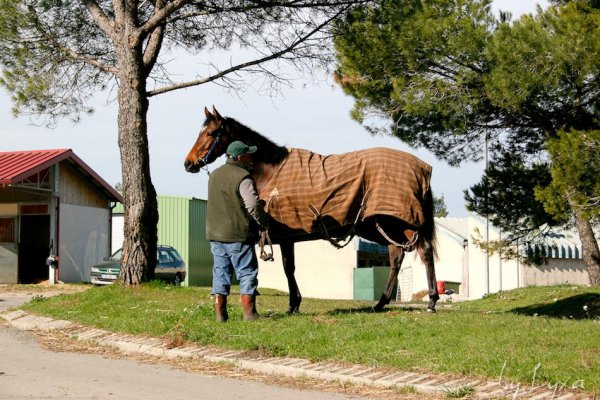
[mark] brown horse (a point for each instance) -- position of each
(371, 206)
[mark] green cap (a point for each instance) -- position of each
(237, 148)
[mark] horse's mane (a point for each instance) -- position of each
(268, 152)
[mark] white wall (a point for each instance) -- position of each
(322, 271)
(83, 235)
(117, 237)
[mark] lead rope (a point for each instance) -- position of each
(265, 239)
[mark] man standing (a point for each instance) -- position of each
(234, 217)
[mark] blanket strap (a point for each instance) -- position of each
(351, 232)
(408, 246)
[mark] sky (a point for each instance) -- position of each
(313, 117)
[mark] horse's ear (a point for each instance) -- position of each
(207, 113)
(217, 115)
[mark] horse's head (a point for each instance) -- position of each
(212, 142)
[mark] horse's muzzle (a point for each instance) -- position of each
(193, 167)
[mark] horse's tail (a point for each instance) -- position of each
(427, 231)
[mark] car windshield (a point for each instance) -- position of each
(167, 255)
(116, 256)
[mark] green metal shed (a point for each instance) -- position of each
(181, 224)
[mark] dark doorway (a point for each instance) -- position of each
(34, 248)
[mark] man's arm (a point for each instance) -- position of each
(251, 202)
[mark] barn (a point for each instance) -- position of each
(52, 204)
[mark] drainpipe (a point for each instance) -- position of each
(500, 264)
(110, 217)
(464, 287)
(486, 276)
(52, 260)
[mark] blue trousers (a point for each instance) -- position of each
(238, 257)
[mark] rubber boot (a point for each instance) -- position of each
(249, 307)
(221, 307)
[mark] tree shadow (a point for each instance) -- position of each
(582, 306)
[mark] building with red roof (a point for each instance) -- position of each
(52, 204)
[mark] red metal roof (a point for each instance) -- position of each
(16, 166)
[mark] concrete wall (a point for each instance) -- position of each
(9, 253)
(9, 263)
(556, 272)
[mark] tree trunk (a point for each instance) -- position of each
(141, 208)
(591, 253)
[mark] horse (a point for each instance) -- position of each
(361, 213)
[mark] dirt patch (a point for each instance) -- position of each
(43, 288)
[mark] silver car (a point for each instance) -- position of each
(169, 267)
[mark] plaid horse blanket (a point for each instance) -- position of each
(344, 189)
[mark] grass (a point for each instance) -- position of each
(531, 335)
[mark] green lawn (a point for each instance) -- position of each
(541, 333)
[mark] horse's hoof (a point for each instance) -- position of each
(378, 307)
(293, 310)
(431, 310)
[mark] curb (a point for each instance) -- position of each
(293, 367)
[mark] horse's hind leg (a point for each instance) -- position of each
(289, 267)
(396, 256)
(425, 250)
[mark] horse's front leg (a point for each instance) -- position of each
(396, 255)
(289, 267)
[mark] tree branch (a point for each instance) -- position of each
(259, 4)
(242, 66)
(154, 44)
(160, 15)
(100, 17)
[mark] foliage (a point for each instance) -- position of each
(575, 175)
(439, 207)
(419, 65)
(446, 76)
(477, 338)
(506, 195)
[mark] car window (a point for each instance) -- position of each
(175, 255)
(117, 255)
(164, 257)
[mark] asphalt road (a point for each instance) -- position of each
(28, 371)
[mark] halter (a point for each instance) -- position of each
(212, 147)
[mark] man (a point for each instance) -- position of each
(234, 216)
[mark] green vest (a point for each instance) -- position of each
(226, 217)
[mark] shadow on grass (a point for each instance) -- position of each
(583, 306)
(371, 310)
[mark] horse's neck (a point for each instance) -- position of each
(269, 152)
(263, 173)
